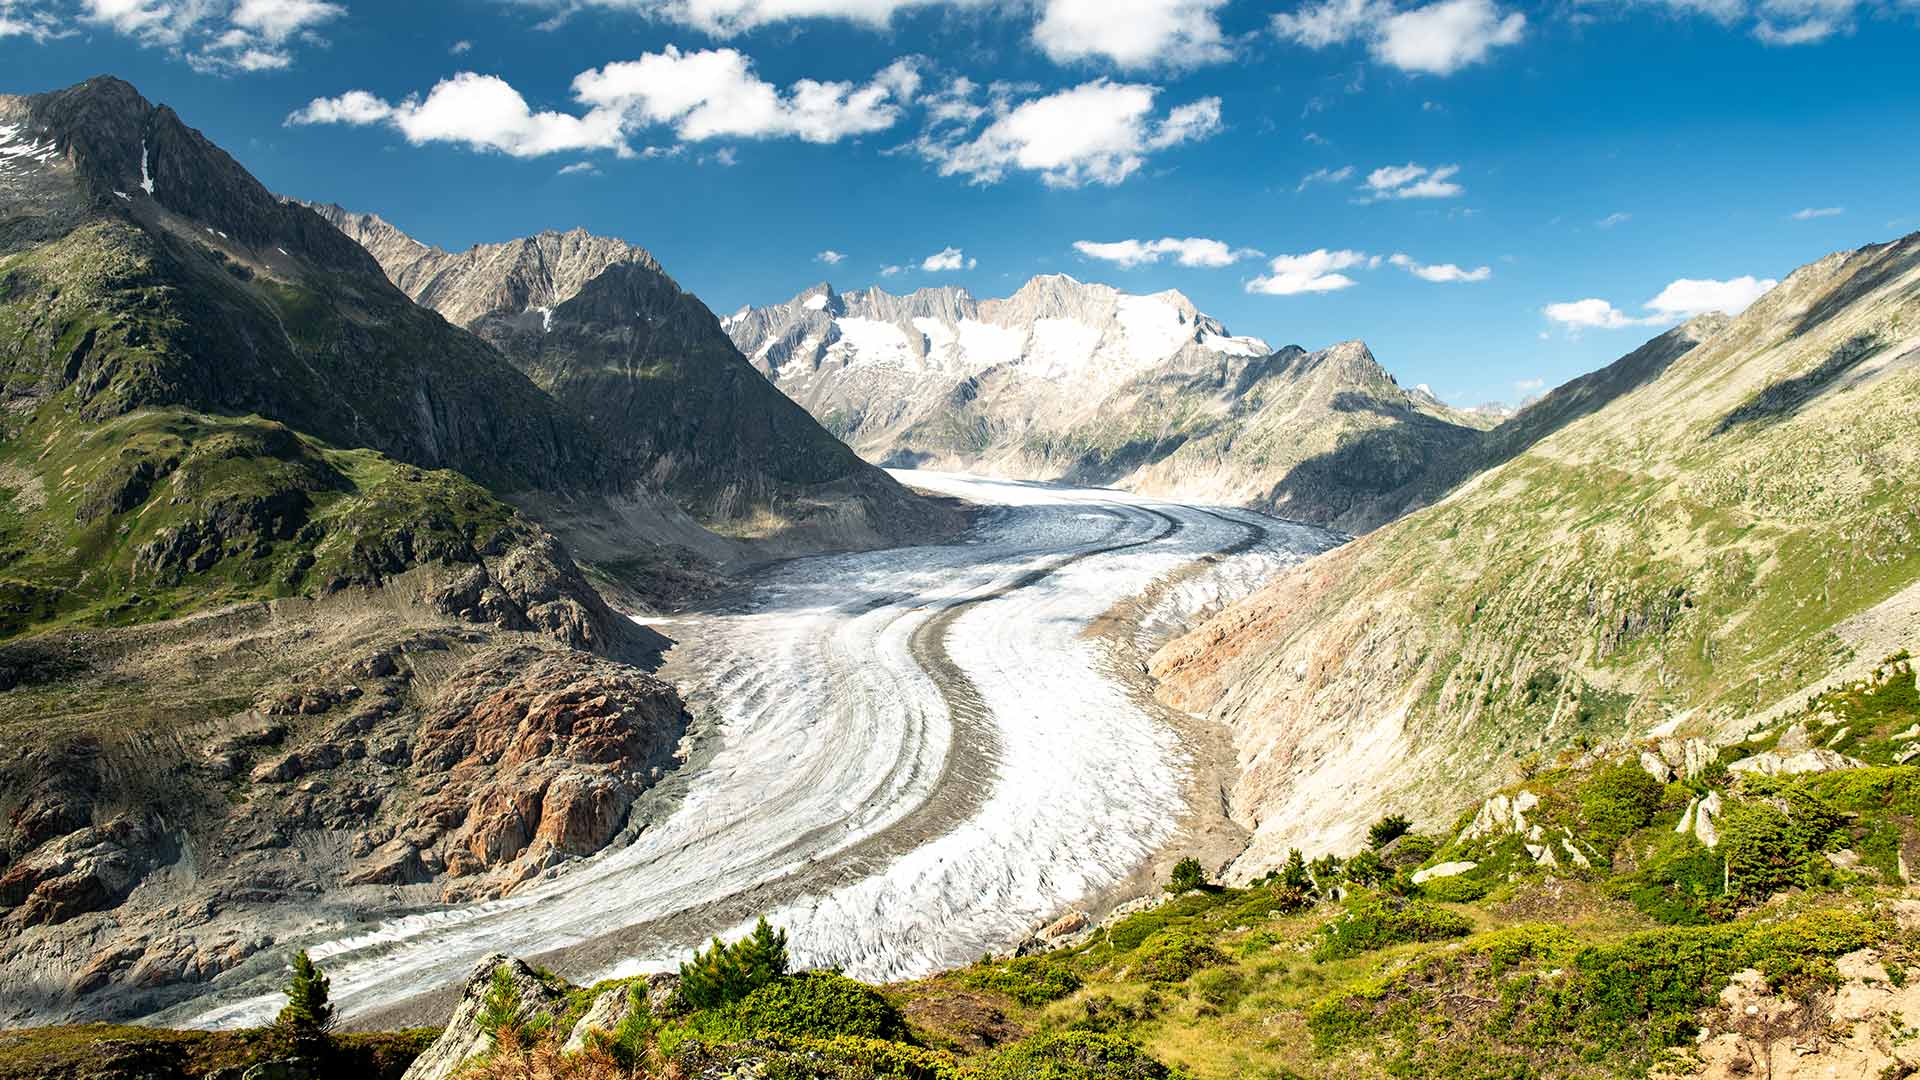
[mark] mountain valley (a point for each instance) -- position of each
(491, 664)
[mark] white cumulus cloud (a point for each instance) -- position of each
(1688, 297)
(1133, 34)
(830, 257)
(1194, 251)
(947, 259)
(1442, 273)
(1438, 38)
(1315, 272)
(707, 94)
(1099, 132)
(1682, 299)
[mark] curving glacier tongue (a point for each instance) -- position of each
(915, 756)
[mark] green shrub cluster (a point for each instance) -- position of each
(1620, 1003)
(1681, 882)
(879, 1058)
(1377, 921)
(1614, 802)
(1029, 980)
(1173, 956)
(1075, 1055)
(818, 1003)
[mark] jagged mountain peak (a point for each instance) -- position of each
(534, 273)
(110, 150)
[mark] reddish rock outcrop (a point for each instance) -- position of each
(527, 756)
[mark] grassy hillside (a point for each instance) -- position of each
(1689, 554)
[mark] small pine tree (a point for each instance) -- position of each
(1295, 876)
(1326, 873)
(1387, 830)
(1187, 876)
(726, 973)
(308, 1015)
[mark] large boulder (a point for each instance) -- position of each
(1700, 819)
(1795, 762)
(465, 1037)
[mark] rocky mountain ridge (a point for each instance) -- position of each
(1066, 380)
(597, 323)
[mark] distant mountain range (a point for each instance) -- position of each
(1079, 382)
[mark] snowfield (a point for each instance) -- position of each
(912, 756)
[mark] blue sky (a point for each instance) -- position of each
(1544, 173)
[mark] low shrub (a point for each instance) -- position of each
(1681, 882)
(879, 1058)
(1375, 922)
(1615, 801)
(1174, 955)
(819, 1003)
(1459, 889)
(1528, 1001)
(1029, 980)
(1075, 1055)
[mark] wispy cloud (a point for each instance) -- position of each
(1412, 181)
(1440, 273)
(1194, 251)
(1316, 271)
(1812, 212)
(1325, 176)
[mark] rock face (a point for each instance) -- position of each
(1794, 762)
(442, 765)
(1859, 1030)
(465, 1038)
(1569, 592)
(525, 759)
(597, 323)
(1075, 381)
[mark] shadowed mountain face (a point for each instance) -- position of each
(1080, 382)
(148, 268)
(646, 367)
(1687, 540)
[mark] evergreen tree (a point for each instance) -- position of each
(308, 1014)
(1387, 830)
(726, 973)
(1187, 876)
(1295, 876)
